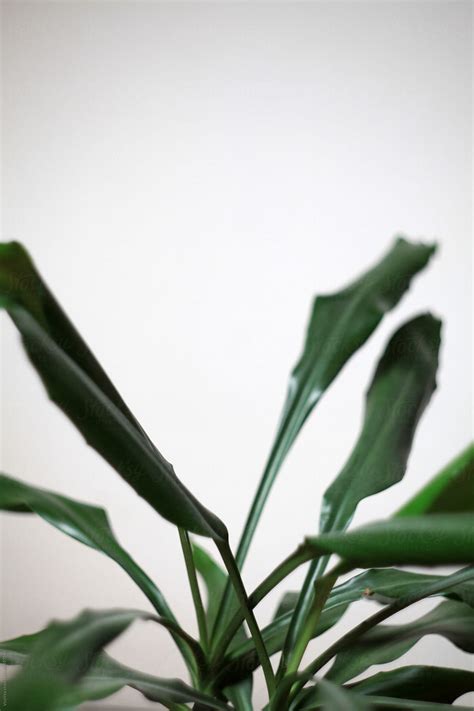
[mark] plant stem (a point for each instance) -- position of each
(420, 592)
(195, 591)
(322, 588)
(236, 580)
(301, 555)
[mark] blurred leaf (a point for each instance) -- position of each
(451, 491)
(439, 539)
(384, 643)
(439, 684)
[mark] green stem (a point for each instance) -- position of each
(346, 640)
(322, 589)
(300, 556)
(287, 431)
(247, 614)
(195, 591)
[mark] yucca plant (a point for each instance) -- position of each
(65, 664)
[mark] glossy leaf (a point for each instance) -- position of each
(384, 643)
(403, 383)
(424, 683)
(79, 386)
(380, 703)
(451, 491)
(340, 323)
(380, 585)
(439, 539)
(89, 525)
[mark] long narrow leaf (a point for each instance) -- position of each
(384, 643)
(340, 323)
(380, 585)
(403, 383)
(440, 539)
(423, 683)
(107, 676)
(451, 491)
(62, 655)
(89, 525)
(77, 384)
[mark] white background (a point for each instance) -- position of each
(186, 177)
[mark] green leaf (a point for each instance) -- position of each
(384, 643)
(240, 695)
(403, 383)
(61, 655)
(107, 676)
(380, 703)
(424, 683)
(78, 385)
(439, 539)
(87, 524)
(214, 578)
(380, 585)
(340, 323)
(401, 388)
(451, 491)
(335, 698)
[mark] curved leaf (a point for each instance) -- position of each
(77, 384)
(451, 491)
(380, 585)
(87, 524)
(105, 676)
(403, 383)
(61, 655)
(340, 323)
(423, 683)
(439, 539)
(384, 643)
(336, 698)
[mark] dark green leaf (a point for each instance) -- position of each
(381, 585)
(336, 698)
(439, 539)
(384, 643)
(61, 655)
(439, 684)
(401, 388)
(78, 385)
(214, 578)
(451, 491)
(340, 323)
(104, 677)
(87, 524)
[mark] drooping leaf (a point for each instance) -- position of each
(340, 323)
(61, 655)
(451, 491)
(381, 703)
(78, 385)
(424, 683)
(403, 383)
(439, 539)
(89, 525)
(105, 675)
(380, 585)
(384, 643)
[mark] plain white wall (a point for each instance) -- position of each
(187, 176)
